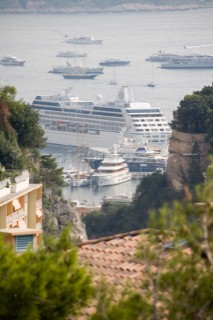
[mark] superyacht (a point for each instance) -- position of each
(67, 120)
(192, 61)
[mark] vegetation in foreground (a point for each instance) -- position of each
(48, 284)
(176, 282)
(177, 279)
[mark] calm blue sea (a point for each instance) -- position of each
(37, 39)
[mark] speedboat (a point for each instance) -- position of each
(114, 62)
(71, 54)
(84, 40)
(11, 61)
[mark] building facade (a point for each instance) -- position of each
(21, 212)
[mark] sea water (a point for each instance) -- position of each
(37, 38)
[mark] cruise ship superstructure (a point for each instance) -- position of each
(67, 120)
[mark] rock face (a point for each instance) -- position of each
(180, 155)
(59, 213)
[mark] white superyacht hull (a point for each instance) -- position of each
(111, 179)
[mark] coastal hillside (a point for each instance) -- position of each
(72, 6)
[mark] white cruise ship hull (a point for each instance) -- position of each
(101, 140)
(111, 179)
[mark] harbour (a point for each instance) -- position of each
(169, 31)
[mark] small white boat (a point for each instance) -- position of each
(80, 180)
(11, 61)
(71, 54)
(84, 40)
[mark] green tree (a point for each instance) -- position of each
(25, 121)
(49, 173)
(191, 115)
(17, 116)
(48, 284)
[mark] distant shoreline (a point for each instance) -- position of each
(124, 9)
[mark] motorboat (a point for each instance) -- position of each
(114, 62)
(11, 61)
(79, 75)
(71, 54)
(112, 170)
(84, 40)
(69, 68)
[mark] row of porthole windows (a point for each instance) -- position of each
(86, 118)
(152, 130)
(149, 120)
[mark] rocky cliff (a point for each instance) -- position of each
(59, 213)
(180, 155)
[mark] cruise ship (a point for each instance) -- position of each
(189, 61)
(67, 120)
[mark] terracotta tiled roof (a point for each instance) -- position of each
(114, 258)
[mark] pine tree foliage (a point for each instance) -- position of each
(45, 285)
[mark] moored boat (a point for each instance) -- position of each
(84, 40)
(114, 62)
(79, 75)
(118, 199)
(69, 68)
(191, 61)
(80, 180)
(71, 54)
(162, 56)
(11, 61)
(112, 170)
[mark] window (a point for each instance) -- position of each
(23, 242)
